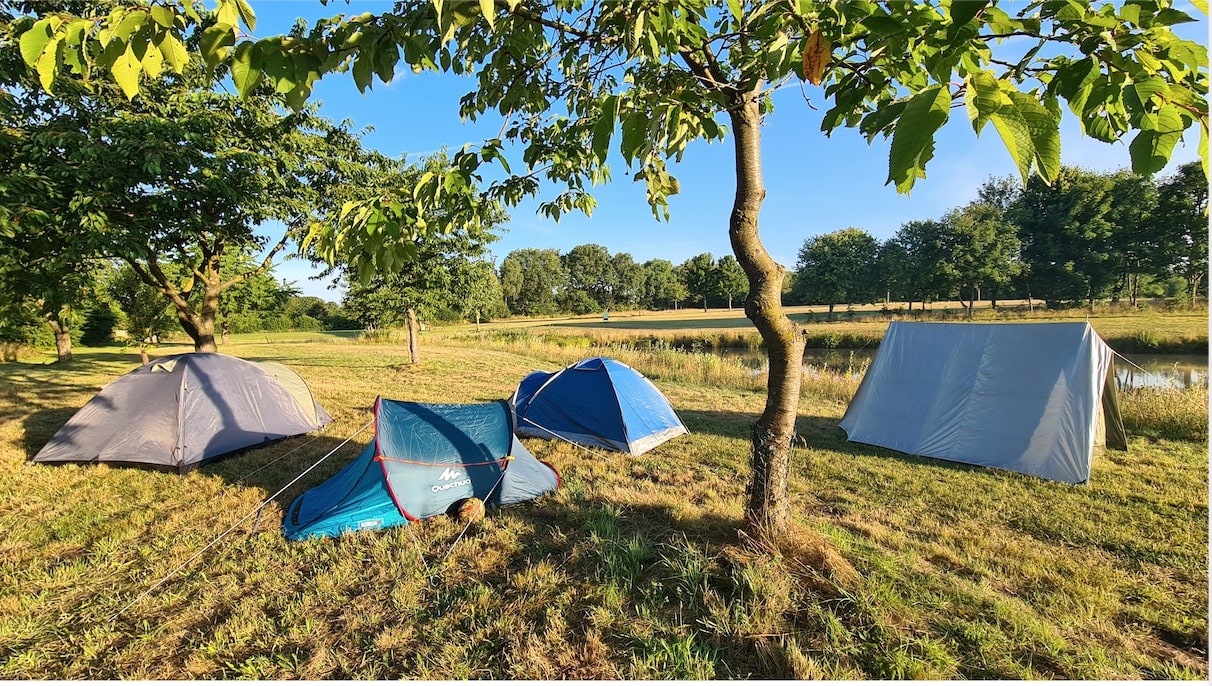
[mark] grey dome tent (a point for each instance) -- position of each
(178, 412)
(1029, 398)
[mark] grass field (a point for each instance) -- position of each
(1149, 330)
(902, 567)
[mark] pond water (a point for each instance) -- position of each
(1138, 371)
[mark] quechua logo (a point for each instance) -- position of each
(452, 479)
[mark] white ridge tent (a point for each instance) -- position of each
(1029, 398)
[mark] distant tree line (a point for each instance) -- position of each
(588, 278)
(1088, 237)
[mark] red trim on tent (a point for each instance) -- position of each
(559, 479)
(442, 464)
(380, 458)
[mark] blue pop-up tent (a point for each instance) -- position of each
(598, 402)
(424, 458)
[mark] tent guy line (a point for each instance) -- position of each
(280, 457)
(255, 511)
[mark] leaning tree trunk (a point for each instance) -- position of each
(414, 354)
(768, 511)
(63, 339)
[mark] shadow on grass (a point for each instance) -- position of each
(814, 433)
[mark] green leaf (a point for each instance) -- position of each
(48, 64)
(246, 14)
(489, 10)
(1202, 151)
(1170, 16)
(163, 16)
(132, 22)
(635, 125)
(1031, 133)
(126, 72)
(603, 128)
(1130, 13)
(386, 56)
(363, 68)
(637, 30)
(1151, 150)
(216, 41)
(963, 11)
(1147, 88)
(246, 68)
(734, 7)
(174, 52)
(33, 42)
(983, 99)
(152, 62)
(883, 25)
(913, 139)
(228, 13)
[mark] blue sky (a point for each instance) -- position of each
(814, 184)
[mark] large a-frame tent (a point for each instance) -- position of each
(1029, 398)
(424, 458)
(597, 402)
(181, 411)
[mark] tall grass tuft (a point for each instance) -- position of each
(1173, 413)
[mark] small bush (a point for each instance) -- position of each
(1146, 340)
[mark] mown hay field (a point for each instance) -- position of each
(901, 567)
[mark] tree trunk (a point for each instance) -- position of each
(201, 325)
(768, 511)
(63, 339)
(414, 354)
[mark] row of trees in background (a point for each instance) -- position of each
(589, 279)
(1088, 236)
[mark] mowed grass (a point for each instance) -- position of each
(901, 567)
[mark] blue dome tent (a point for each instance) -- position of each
(424, 458)
(598, 402)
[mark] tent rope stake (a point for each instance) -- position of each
(255, 511)
(467, 526)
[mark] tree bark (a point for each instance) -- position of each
(768, 511)
(414, 354)
(63, 340)
(200, 325)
